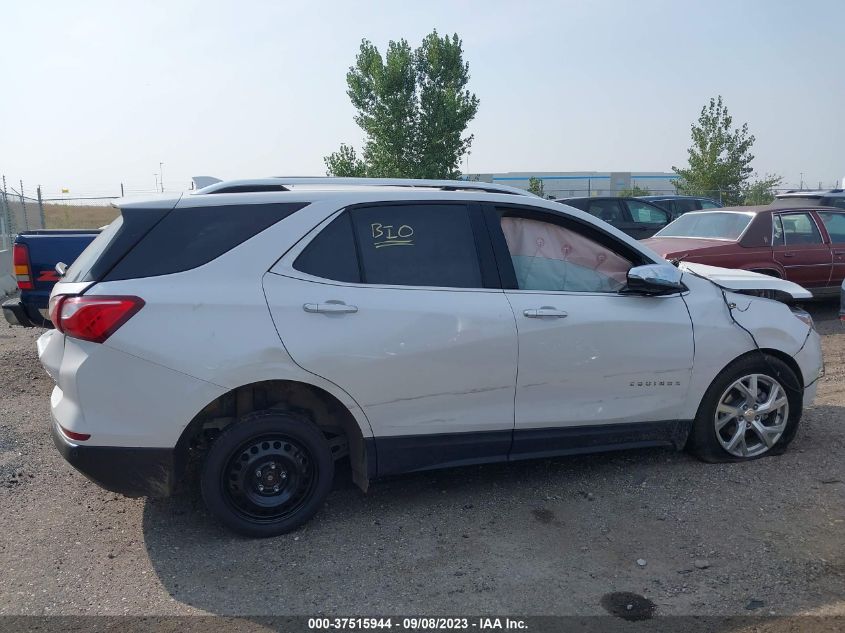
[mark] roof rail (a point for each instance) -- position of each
(282, 183)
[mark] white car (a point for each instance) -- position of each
(268, 328)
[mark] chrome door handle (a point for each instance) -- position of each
(545, 311)
(330, 307)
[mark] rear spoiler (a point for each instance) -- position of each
(204, 181)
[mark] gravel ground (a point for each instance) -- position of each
(557, 536)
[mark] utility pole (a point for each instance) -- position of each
(23, 207)
(121, 190)
(801, 184)
(161, 175)
(41, 209)
(7, 214)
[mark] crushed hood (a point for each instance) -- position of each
(740, 280)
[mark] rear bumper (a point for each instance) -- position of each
(16, 313)
(134, 472)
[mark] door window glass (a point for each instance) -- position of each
(835, 225)
(331, 254)
(835, 202)
(777, 231)
(417, 245)
(707, 204)
(799, 228)
(643, 213)
(607, 210)
(554, 258)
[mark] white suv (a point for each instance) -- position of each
(266, 329)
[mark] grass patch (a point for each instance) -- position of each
(71, 216)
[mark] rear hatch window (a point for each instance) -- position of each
(113, 243)
(146, 242)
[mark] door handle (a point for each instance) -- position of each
(545, 311)
(330, 307)
(788, 254)
(834, 252)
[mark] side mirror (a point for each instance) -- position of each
(654, 279)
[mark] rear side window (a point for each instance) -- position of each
(188, 238)
(417, 245)
(709, 204)
(331, 255)
(799, 228)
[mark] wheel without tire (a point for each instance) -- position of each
(267, 474)
(752, 409)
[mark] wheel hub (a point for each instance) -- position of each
(268, 477)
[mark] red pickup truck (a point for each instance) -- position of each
(801, 244)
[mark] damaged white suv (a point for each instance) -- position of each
(271, 331)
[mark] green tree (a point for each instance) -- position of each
(535, 186)
(345, 162)
(720, 156)
(413, 107)
(633, 192)
(761, 191)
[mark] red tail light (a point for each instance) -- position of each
(93, 318)
(23, 271)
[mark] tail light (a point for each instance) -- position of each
(23, 271)
(93, 318)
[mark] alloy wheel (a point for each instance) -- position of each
(751, 415)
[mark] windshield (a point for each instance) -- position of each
(713, 225)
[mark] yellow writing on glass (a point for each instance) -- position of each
(389, 235)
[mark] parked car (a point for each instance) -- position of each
(263, 329)
(804, 245)
(678, 205)
(822, 198)
(635, 217)
(35, 255)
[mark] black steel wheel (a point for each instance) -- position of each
(267, 474)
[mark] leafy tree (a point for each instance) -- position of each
(414, 108)
(633, 192)
(345, 162)
(535, 186)
(761, 191)
(720, 156)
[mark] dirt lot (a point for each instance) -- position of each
(546, 537)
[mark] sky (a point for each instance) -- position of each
(99, 93)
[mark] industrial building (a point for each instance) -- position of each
(569, 184)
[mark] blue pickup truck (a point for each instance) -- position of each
(35, 255)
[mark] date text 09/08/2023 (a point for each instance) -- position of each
(417, 623)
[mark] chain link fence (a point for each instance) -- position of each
(18, 212)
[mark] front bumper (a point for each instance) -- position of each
(811, 363)
(134, 472)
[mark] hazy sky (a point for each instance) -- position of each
(98, 93)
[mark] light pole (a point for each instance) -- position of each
(161, 175)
